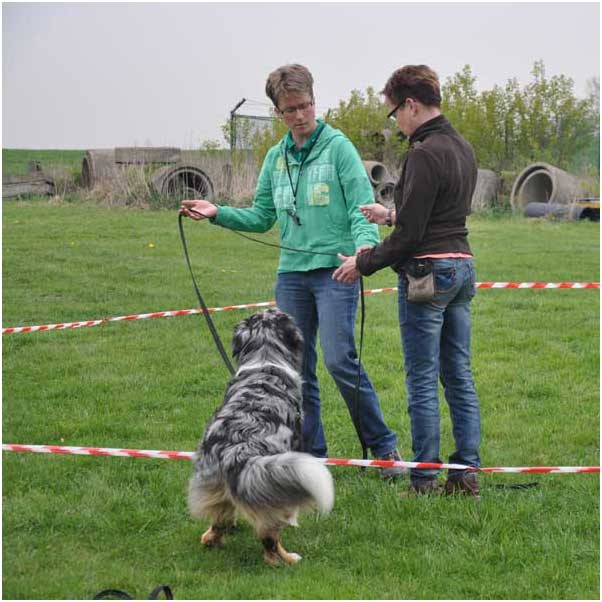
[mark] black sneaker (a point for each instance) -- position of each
(392, 472)
(466, 483)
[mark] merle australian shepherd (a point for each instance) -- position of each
(248, 461)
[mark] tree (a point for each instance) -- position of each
(508, 126)
(363, 119)
(558, 125)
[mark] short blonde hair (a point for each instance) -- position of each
(289, 78)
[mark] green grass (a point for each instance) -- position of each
(75, 525)
(16, 161)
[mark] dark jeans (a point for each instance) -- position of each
(314, 299)
(436, 344)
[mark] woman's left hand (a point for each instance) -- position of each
(347, 272)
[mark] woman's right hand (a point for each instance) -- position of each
(198, 209)
(375, 213)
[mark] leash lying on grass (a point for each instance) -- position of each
(118, 594)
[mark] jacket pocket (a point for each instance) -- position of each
(319, 194)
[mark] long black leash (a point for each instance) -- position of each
(218, 342)
(355, 414)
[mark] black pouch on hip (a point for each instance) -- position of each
(421, 280)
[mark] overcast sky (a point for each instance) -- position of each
(102, 75)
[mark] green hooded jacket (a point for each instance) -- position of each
(331, 186)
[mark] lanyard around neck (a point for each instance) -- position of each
(295, 187)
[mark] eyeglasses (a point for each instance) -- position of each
(391, 115)
(304, 106)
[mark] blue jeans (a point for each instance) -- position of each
(313, 298)
(436, 344)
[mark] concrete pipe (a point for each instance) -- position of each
(543, 183)
(183, 182)
(569, 212)
(486, 190)
(383, 194)
(98, 165)
(141, 155)
(376, 171)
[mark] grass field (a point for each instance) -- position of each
(16, 161)
(74, 525)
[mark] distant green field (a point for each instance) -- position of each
(74, 525)
(16, 161)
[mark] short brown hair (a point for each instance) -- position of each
(289, 78)
(417, 81)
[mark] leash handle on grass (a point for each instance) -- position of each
(118, 594)
(154, 595)
(517, 485)
(112, 594)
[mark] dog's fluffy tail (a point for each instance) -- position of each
(288, 479)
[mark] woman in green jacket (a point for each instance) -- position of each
(312, 183)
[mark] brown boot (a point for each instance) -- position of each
(423, 487)
(466, 483)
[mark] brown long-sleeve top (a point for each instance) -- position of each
(432, 199)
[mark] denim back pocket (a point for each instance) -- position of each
(445, 279)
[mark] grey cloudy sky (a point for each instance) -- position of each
(100, 75)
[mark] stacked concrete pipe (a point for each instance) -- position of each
(377, 172)
(104, 164)
(383, 184)
(98, 165)
(486, 190)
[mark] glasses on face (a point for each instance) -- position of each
(304, 106)
(391, 115)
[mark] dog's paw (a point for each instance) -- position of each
(275, 559)
(271, 559)
(212, 538)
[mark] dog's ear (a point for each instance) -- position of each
(242, 334)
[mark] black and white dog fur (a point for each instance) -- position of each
(247, 461)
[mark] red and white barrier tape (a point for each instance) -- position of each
(189, 312)
(179, 455)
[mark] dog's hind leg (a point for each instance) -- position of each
(222, 516)
(211, 501)
(274, 552)
(222, 521)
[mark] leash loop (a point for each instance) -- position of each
(355, 412)
(118, 594)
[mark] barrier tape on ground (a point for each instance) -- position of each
(180, 455)
(189, 312)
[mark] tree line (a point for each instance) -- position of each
(508, 126)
